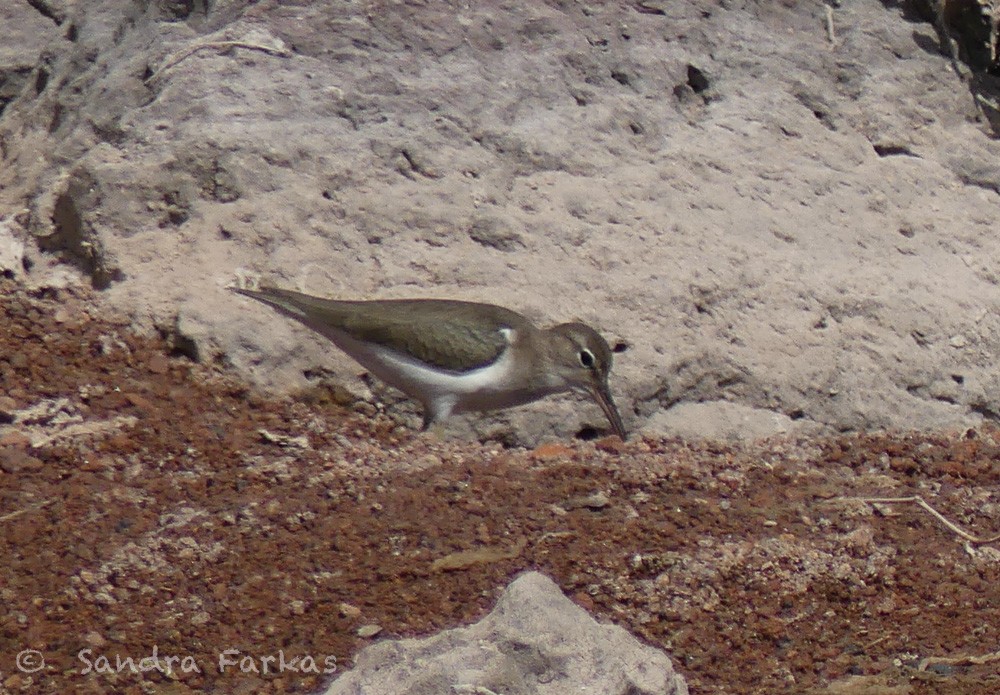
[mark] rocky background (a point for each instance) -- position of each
(780, 214)
(783, 210)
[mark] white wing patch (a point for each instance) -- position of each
(430, 380)
(441, 392)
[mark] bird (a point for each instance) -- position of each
(457, 356)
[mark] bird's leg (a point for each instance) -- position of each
(428, 421)
(435, 413)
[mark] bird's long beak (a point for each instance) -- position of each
(602, 394)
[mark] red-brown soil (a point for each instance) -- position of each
(150, 503)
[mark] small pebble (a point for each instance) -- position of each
(369, 630)
(349, 611)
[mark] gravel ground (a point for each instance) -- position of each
(152, 505)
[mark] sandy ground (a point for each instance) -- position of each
(152, 503)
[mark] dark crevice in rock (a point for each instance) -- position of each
(621, 77)
(57, 118)
(183, 345)
(180, 345)
(72, 236)
(984, 183)
(819, 107)
(697, 80)
(46, 11)
(646, 7)
(11, 82)
(415, 165)
(893, 150)
(41, 80)
(495, 233)
(984, 410)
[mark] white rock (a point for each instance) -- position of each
(535, 642)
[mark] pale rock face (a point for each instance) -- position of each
(768, 219)
(534, 642)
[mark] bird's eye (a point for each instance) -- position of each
(587, 359)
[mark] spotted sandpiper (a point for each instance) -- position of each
(454, 356)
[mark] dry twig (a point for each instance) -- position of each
(957, 660)
(187, 53)
(952, 526)
(18, 512)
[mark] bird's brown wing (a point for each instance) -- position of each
(453, 335)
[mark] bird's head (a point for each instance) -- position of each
(583, 363)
